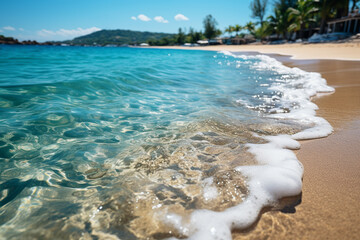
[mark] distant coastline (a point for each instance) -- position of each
(102, 38)
(14, 41)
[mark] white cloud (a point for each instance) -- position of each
(144, 18)
(160, 19)
(1, 30)
(180, 17)
(9, 28)
(63, 34)
(133, 18)
(21, 29)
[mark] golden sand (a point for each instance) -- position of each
(339, 51)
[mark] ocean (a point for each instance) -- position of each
(133, 143)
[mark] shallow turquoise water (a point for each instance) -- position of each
(94, 139)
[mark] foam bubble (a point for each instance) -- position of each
(210, 191)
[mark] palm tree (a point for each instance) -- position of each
(229, 29)
(279, 22)
(263, 31)
(250, 26)
(301, 16)
(237, 29)
(283, 5)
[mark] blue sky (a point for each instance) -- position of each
(43, 20)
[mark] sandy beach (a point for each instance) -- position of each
(335, 51)
(330, 206)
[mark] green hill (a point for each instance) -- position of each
(117, 37)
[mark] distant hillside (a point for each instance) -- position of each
(117, 37)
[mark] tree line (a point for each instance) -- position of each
(288, 18)
(297, 16)
(192, 36)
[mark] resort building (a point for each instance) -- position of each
(349, 24)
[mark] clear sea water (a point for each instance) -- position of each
(102, 143)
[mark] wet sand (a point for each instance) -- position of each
(330, 202)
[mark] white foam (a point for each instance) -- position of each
(209, 191)
(279, 173)
(296, 91)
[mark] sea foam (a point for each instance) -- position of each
(279, 173)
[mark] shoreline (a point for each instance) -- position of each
(330, 196)
(349, 51)
(329, 207)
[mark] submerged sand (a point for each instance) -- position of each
(330, 205)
